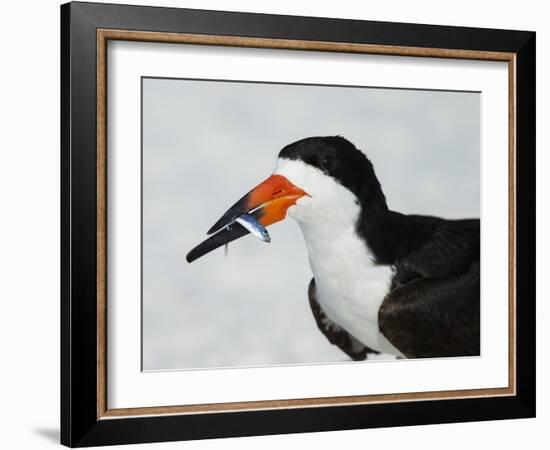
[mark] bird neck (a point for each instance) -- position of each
(382, 234)
(334, 237)
(387, 234)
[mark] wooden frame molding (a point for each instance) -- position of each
(103, 36)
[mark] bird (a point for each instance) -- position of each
(383, 282)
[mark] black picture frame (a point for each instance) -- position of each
(80, 425)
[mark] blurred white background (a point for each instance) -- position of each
(207, 143)
(29, 231)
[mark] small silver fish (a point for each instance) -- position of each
(256, 228)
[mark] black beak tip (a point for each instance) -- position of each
(214, 228)
(224, 220)
(223, 237)
(230, 215)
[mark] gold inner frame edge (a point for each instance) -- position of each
(103, 36)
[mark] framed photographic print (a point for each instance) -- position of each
(277, 224)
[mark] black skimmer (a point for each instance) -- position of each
(383, 282)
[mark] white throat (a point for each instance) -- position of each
(350, 284)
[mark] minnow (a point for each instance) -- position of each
(253, 226)
(229, 233)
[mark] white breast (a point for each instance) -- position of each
(350, 285)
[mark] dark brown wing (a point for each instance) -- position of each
(439, 317)
(335, 334)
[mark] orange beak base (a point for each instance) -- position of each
(268, 202)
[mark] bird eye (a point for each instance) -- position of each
(327, 161)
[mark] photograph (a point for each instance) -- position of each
(360, 241)
(279, 222)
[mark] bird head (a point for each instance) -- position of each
(317, 180)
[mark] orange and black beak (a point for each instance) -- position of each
(267, 203)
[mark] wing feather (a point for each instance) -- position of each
(433, 308)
